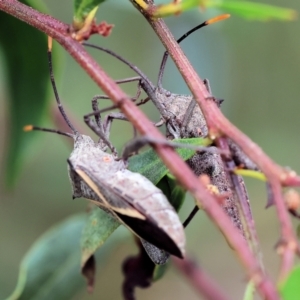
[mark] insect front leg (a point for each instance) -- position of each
(139, 87)
(95, 104)
(97, 127)
(106, 125)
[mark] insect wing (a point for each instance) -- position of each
(140, 206)
(162, 226)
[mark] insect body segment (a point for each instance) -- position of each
(175, 111)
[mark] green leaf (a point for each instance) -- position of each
(174, 192)
(253, 11)
(25, 52)
(246, 9)
(150, 165)
(251, 173)
(50, 269)
(99, 226)
(174, 8)
(290, 289)
(82, 8)
(250, 290)
(159, 271)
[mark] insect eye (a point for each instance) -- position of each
(168, 93)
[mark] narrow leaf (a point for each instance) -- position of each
(250, 290)
(25, 52)
(174, 192)
(82, 8)
(254, 11)
(99, 226)
(159, 271)
(176, 7)
(250, 173)
(50, 269)
(290, 288)
(245, 9)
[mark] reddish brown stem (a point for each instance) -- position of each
(144, 126)
(201, 282)
(218, 126)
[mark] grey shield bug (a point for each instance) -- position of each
(184, 119)
(131, 198)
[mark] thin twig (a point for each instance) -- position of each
(200, 280)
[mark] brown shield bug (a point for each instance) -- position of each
(130, 197)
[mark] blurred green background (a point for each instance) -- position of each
(254, 66)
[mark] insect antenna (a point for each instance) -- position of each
(145, 82)
(166, 54)
(126, 62)
(59, 104)
(31, 127)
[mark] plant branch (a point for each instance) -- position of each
(144, 126)
(219, 126)
(201, 282)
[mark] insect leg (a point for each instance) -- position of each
(191, 216)
(106, 125)
(99, 130)
(102, 129)
(189, 112)
(132, 79)
(95, 99)
(120, 116)
(146, 84)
